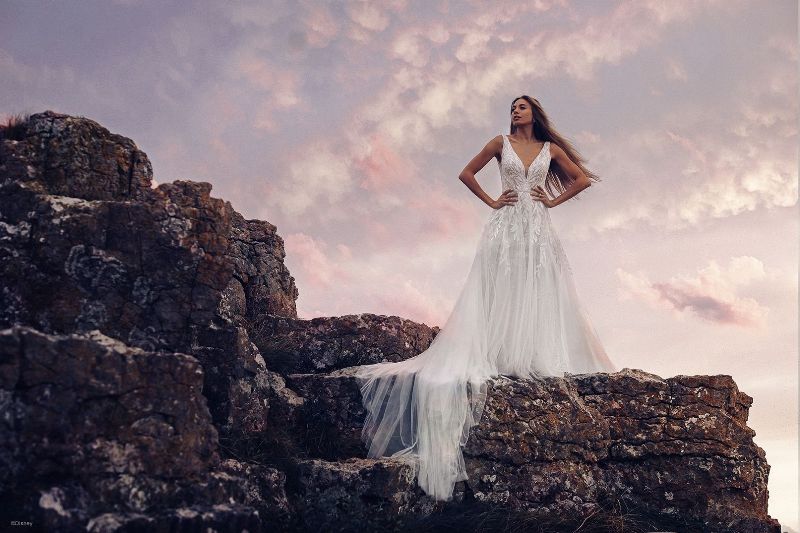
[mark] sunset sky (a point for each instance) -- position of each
(346, 124)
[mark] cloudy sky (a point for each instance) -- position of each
(347, 123)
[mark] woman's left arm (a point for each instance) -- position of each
(581, 181)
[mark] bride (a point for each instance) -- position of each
(517, 314)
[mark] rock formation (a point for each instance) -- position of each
(154, 375)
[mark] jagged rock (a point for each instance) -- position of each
(533, 421)
(279, 442)
(675, 447)
(233, 497)
(686, 448)
(86, 243)
(167, 253)
(332, 415)
(335, 495)
(107, 427)
(323, 344)
(261, 283)
(89, 405)
(75, 157)
(221, 517)
(236, 380)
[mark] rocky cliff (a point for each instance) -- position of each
(154, 376)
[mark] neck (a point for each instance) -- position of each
(525, 133)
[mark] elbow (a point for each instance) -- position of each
(581, 181)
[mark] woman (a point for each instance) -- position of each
(518, 313)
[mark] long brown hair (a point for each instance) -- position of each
(542, 130)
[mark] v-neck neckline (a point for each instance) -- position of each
(526, 170)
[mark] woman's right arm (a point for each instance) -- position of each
(491, 150)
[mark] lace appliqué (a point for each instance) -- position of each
(525, 223)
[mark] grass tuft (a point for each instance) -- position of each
(15, 127)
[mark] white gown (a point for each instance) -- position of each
(517, 315)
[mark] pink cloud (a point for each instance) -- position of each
(280, 88)
(700, 176)
(443, 213)
(318, 269)
(690, 147)
(710, 295)
(368, 16)
(438, 94)
(382, 166)
(263, 117)
(222, 151)
(376, 231)
(221, 111)
(744, 312)
(404, 299)
(318, 175)
(675, 70)
(321, 26)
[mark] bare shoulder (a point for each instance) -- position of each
(555, 149)
(556, 152)
(496, 145)
(497, 142)
(560, 157)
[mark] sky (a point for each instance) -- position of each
(346, 124)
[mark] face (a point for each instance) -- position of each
(521, 112)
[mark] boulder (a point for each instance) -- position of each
(561, 446)
(96, 432)
(324, 344)
(346, 494)
(86, 244)
(88, 405)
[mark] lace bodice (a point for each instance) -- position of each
(512, 171)
(527, 219)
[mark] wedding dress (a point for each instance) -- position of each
(517, 315)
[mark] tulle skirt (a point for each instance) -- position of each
(518, 314)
